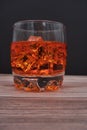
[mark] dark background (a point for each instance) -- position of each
(73, 13)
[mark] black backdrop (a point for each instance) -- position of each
(73, 13)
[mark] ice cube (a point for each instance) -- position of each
(35, 38)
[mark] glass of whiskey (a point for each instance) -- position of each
(38, 55)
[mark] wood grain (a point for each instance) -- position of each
(65, 109)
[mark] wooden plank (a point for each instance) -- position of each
(65, 109)
(36, 113)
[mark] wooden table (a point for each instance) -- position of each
(65, 109)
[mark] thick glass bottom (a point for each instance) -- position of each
(38, 84)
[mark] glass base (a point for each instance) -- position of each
(38, 84)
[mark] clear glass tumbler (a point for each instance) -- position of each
(38, 55)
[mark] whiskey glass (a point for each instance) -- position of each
(38, 55)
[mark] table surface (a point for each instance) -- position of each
(65, 109)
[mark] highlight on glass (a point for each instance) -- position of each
(38, 55)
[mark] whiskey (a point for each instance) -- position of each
(42, 60)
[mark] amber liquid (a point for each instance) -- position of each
(43, 59)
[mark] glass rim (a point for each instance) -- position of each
(16, 24)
